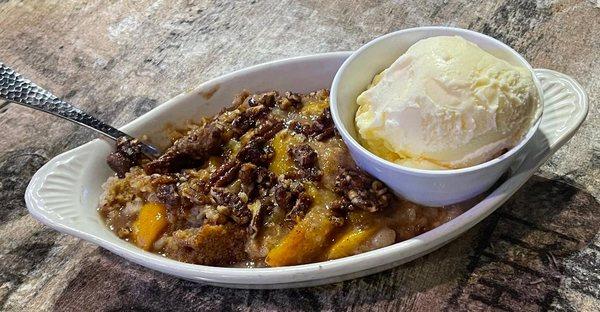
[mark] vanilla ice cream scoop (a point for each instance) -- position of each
(446, 104)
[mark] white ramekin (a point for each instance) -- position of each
(426, 187)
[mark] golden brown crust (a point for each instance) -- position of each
(217, 245)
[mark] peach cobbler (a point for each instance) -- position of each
(266, 182)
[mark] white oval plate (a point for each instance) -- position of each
(64, 193)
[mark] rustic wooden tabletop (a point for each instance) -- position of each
(540, 251)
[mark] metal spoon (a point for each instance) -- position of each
(14, 88)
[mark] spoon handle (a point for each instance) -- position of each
(14, 88)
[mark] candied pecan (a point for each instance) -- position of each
(130, 148)
(360, 200)
(256, 111)
(247, 176)
(256, 181)
(303, 155)
(339, 205)
(338, 209)
(119, 163)
(196, 191)
(321, 129)
(325, 134)
(283, 197)
(201, 142)
(267, 99)
(349, 179)
(324, 120)
(194, 148)
(300, 207)
(286, 193)
(247, 173)
(167, 194)
(265, 177)
(265, 181)
(225, 174)
(305, 159)
(300, 127)
(248, 118)
(267, 130)
(128, 153)
(239, 211)
(290, 100)
(241, 124)
(256, 151)
(240, 98)
(360, 191)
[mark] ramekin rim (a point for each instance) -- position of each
(350, 140)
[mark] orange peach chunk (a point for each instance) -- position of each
(150, 224)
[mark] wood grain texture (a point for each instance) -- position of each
(118, 60)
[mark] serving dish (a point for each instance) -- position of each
(427, 187)
(64, 193)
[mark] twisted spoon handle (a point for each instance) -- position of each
(16, 89)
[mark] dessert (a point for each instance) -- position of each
(446, 104)
(266, 182)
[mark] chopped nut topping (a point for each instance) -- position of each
(360, 191)
(241, 187)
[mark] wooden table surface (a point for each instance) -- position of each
(540, 251)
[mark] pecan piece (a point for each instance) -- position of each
(248, 118)
(306, 160)
(300, 207)
(360, 191)
(267, 99)
(301, 127)
(119, 163)
(321, 129)
(192, 149)
(303, 155)
(167, 194)
(247, 175)
(240, 98)
(290, 100)
(128, 153)
(238, 210)
(287, 193)
(256, 151)
(267, 130)
(225, 174)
